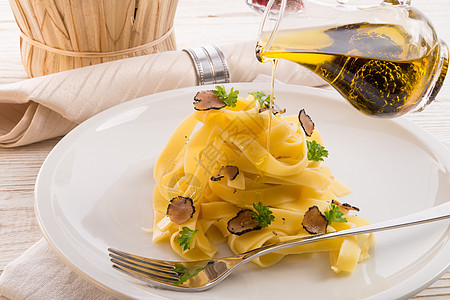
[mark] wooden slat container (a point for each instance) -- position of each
(58, 35)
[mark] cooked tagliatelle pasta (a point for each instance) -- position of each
(225, 160)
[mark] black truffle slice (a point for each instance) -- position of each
(314, 221)
(279, 111)
(263, 109)
(217, 177)
(345, 205)
(229, 171)
(306, 122)
(206, 100)
(274, 110)
(180, 209)
(243, 222)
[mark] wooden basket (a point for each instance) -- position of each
(58, 35)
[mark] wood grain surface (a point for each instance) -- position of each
(197, 22)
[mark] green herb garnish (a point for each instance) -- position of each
(316, 152)
(263, 99)
(263, 215)
(184, 274)
(230, 98)
(333, 214)
(186, 236)
(180, 269)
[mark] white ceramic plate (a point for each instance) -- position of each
(94, 191)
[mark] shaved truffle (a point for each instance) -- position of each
(345, 205)
(263, 109)
(217, 177)
(243, 222)
(274, 110)
(229, 171)
(180, 209)
(314, 221)
(306, 122)
(206, 100)
(279, 111)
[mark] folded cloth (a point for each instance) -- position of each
(39, 274)
(49, 106)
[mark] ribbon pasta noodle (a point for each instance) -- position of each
(282, 178)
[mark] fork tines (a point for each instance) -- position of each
(144, 268)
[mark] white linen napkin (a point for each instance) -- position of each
(39, 274)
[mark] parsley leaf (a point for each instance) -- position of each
(180, 269)
(263, 99)
(186, 236)
(316, 151)
(263, 215)
(184, 275)
(333, 214)
(230, 98)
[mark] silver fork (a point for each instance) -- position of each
(201, 275)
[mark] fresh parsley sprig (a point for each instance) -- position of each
(262, 215)
(316, 152)
(333, 214)
(263, 99)
(186, 236)
(184, 274)
(230, 98)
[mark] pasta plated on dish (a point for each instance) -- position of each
(240, 172)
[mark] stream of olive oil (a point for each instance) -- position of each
(274, 62)
(374, 66)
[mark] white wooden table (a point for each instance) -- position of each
(197, 22)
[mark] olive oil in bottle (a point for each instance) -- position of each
(374, 66)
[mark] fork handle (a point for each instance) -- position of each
(435, 213)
